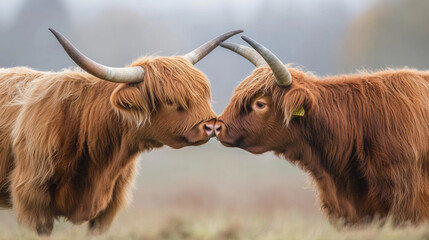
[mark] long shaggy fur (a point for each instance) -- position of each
(364, 138)
(69, 141)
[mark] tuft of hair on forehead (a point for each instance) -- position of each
(259, 83)
(173, 79)
(262, 82)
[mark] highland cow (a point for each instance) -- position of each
(363, 138)
(69, 140)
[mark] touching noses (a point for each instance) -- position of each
(218, 127)
(202, 132)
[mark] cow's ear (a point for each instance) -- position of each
(129, 99)
(297, 103)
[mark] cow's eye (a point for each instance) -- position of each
(260, 105)
(180, 109)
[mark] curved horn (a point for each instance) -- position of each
(117, 75)
(282, 74)
(246, 52)
(199, 53)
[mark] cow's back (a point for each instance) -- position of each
(395, 143)
(380, 134)
(405, 106)
(12, 80)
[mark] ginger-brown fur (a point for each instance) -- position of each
(364, 138)
(69, 141)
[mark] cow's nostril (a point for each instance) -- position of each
(218, 128)
(208, 128)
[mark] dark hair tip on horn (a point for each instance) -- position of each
(281, 73)
(235, 32)
(52, 30)
(248, 39)
(202, 51)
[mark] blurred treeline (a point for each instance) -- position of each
(326, 37)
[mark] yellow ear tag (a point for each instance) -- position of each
(299, 112)
(129, 105)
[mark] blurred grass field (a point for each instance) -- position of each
(177, 224)
(211, 193)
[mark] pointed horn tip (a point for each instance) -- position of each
(232, 33)
(53, 31)
(200, 52)
(272, 60)
(57, 35)
(244, 37)
(237, 31)
(249, 40)
(230, 46)
(225, 45)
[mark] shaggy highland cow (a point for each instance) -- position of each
(363, 138)
(69, 140)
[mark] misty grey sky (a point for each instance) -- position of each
(318, 26)
(81, 8)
